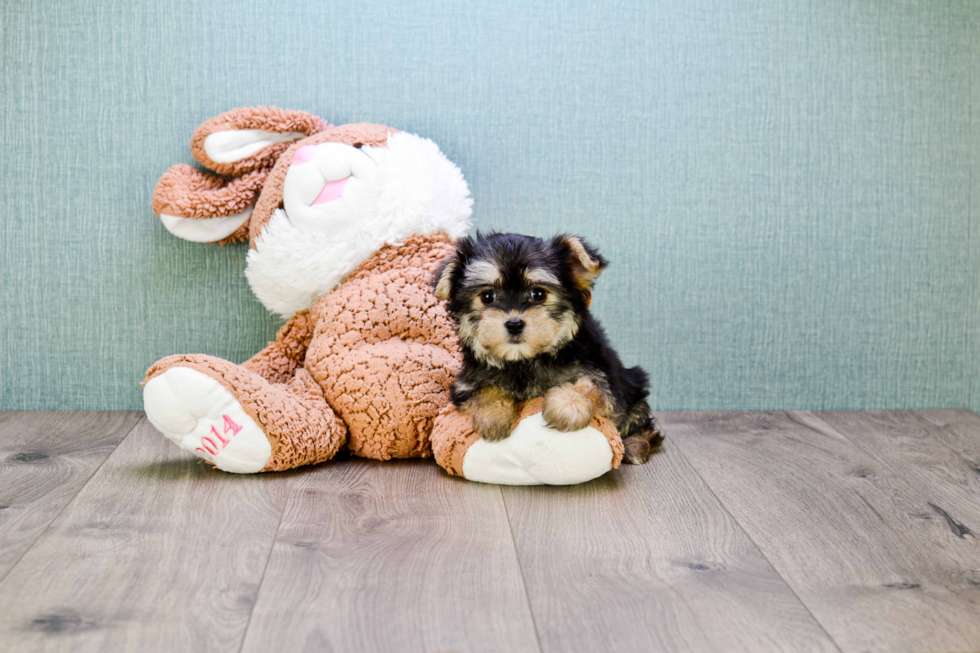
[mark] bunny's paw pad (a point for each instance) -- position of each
(197, 413)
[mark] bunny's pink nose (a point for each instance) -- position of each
(331, 191)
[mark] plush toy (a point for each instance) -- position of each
(346, 227)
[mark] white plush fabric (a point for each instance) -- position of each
(185, 405)
(534, 454)
(407, 188)
(205, 230)
(237, 144)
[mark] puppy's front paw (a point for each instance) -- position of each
(567, 409)
(493, 412)
(493, 424)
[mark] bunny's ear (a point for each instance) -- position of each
(205, 208)
(243, 140)
(243, 144)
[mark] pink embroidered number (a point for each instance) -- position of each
(230, 426)
(224, 441)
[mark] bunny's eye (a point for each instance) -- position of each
(488, 296)
(538, 294)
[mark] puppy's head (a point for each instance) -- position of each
(516, 297)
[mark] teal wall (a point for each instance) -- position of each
(788, 190)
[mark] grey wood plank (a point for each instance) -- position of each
(859, 544)
(647, 559)
(960, 431)
(156, 553)
(393, 556)
(45, 459)
(915, 449)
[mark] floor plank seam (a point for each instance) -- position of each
(268, 559)
(47, 526)
(759, 549)
(520, 569)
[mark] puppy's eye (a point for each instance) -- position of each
(487, 296)
(538, 294)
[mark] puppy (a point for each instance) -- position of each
(521, 308)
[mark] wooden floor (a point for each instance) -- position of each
(749, 532)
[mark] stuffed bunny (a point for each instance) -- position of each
(346, 228)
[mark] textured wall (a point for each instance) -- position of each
(786, 189)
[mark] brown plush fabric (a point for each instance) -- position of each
(608, 429)
(186, 192)
(277, 363)
(267, 118)
(354, 135)
(453, 434)
(385, 352)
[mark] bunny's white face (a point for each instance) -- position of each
(328, 185)
(341, 204)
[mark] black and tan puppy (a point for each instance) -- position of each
(521, 308)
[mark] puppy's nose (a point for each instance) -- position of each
(514, 325)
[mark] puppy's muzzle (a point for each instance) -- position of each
(514, 326)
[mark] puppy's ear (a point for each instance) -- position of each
(451, 268)
(583, 260)
(444, 277)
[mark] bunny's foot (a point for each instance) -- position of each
(533, 453)
(195, 412)
(237, 420)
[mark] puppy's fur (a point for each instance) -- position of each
(521, 308)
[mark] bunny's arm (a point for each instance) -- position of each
(278, 362)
